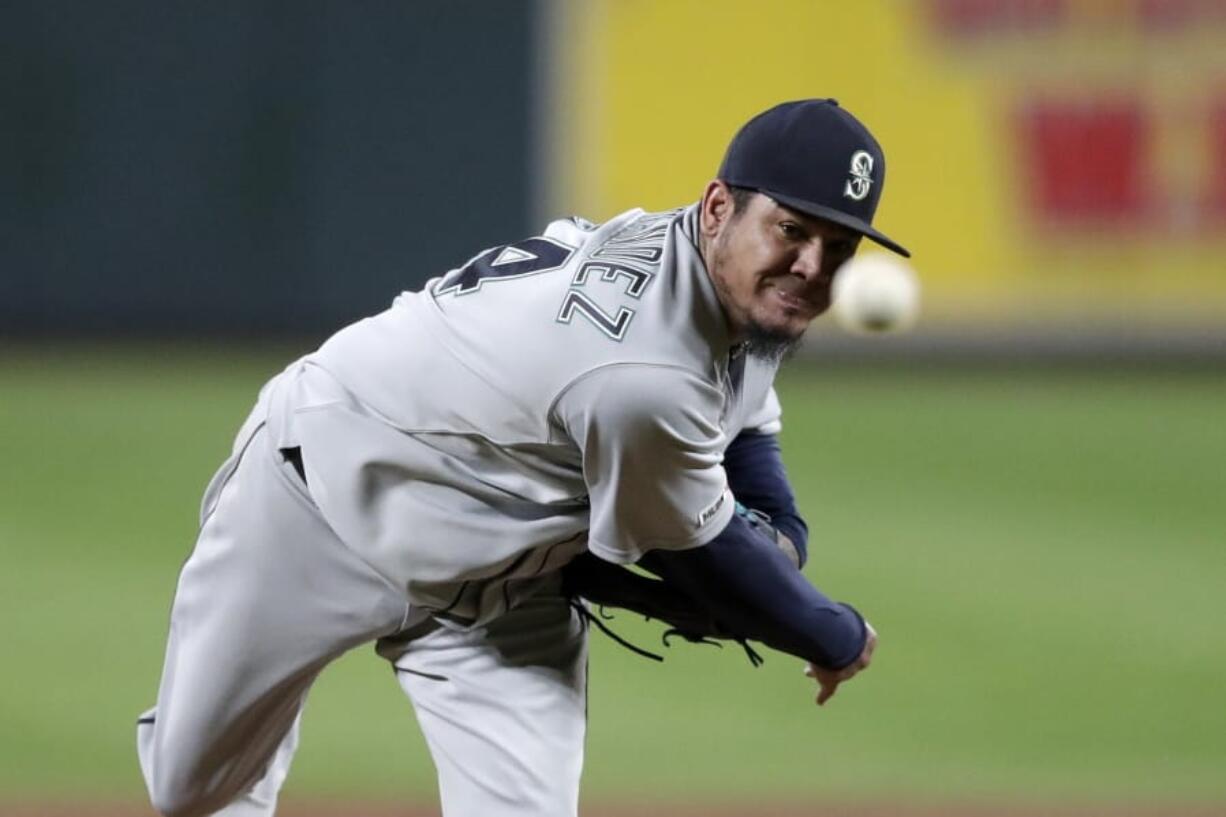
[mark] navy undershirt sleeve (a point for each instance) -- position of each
(757, 479)
(747, 584)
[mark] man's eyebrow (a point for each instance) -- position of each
(813, 223)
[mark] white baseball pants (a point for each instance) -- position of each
(270, 596)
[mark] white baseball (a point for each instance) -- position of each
(876, 292)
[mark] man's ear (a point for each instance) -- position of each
(716, 208)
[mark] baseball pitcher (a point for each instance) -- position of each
(446, 478)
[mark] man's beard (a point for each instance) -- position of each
(770, 346)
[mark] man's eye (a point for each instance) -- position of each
(840, 247)
(790, 229)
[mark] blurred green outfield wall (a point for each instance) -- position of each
(252, 167)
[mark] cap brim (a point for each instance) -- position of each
(843, 219)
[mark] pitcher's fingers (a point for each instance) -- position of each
(828, 688)
(870, 647)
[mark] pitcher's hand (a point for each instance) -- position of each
(828, 680)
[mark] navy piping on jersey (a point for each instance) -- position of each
(430, 675)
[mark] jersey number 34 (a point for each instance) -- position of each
(533, 256)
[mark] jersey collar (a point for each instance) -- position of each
(709, 317)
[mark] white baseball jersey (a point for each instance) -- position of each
(567, 391)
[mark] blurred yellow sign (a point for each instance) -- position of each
(1048, 160)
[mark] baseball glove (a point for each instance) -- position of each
(608, 585)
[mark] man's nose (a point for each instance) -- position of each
(808, 261)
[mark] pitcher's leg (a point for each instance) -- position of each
(260, 800)
(504, 710)
(267, 599)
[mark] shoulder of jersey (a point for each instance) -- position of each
(634, 238)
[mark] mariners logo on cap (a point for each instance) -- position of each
(861, 175)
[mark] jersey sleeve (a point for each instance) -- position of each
(652, 451)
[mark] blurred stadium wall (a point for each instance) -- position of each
(1058, 167)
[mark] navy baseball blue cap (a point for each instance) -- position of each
(814, 157)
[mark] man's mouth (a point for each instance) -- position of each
(791, 296)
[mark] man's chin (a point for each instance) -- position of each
(772, 344)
